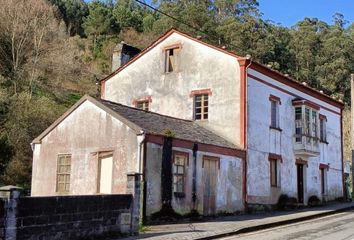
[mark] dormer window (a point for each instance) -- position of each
(171, 57)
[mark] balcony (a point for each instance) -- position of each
(306, 146)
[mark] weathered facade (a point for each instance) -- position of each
(227, 132)
(200, 163)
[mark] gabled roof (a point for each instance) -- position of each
(254, 65)
(149, 123)
(159, 40)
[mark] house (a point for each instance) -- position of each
(208, 130)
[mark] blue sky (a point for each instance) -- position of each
(288, 12)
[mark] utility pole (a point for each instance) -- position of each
(352, 124)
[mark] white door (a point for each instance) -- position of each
(105, 183)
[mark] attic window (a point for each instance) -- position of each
(171, 54)
(143, 103)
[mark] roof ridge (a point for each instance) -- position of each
(142, 110)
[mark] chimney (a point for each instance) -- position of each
(122, 53)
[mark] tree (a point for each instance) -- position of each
(130, 14)
(22, 36)
(99, 21)
(73, 13)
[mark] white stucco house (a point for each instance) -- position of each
(208, 130)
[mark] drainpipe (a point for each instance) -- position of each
(249, 58)
(194, 182)
(141, 169)
(141, 139)
(352, 125)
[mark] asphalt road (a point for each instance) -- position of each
(336, 227)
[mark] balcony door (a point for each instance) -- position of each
(300, 183)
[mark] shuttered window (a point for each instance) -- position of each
(63, 173)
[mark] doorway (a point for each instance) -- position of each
(105, 172)
(210, 171)
(300, 183)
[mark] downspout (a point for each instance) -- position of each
(194, 180)
(245, 76)
(342, 155)
(141, 169)
(141, 140)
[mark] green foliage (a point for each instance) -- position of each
(42, 78)
(99, 20)
(73, 13)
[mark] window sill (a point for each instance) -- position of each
(276, 128)
(325, 142)
(201, 120)
(275, 187)
(179, 194)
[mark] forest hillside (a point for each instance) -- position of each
(54, 51)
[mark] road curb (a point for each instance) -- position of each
(275, 224)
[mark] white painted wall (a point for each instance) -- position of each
(199, 67)
(263, 140)
(85, 132)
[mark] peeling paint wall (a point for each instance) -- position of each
(228, 188)
(198, 67)
(85, 132)
(262, 140)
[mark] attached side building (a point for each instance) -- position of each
(96, 143)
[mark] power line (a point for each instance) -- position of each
(218, 38)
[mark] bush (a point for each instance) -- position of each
(283, 199)
(285, 202)
(314, 201)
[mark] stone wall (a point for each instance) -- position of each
(71, 217)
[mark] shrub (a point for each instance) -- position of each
(314, 201)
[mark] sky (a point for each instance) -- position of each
(288, 12)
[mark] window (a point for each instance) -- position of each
(306, 122)
(323, 133)
(274, 168)
(274, 114)
(171, 56)
(274, 111)
(63, 173)
(144, 105)
(298, 124)
(201, 103)
(180, 160)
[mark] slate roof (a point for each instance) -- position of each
(157, 124)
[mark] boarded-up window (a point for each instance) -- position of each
(63, 173)
(201, 106)
(180, 160)
(273, 172)
(144, 105)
